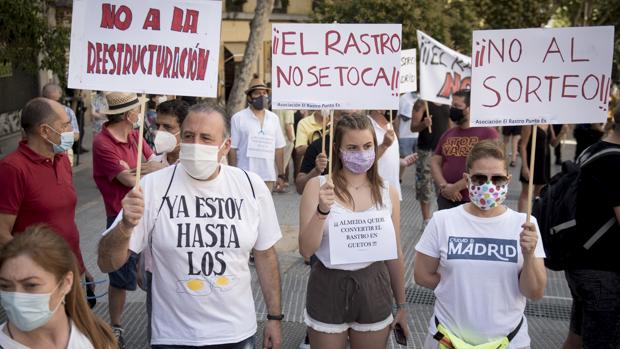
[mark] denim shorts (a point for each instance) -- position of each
(126, 276)
(595, 315)
(406, 146)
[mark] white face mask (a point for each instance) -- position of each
(199, 160)
(28, 311)
(165, 142)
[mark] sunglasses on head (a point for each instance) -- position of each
(480, 179)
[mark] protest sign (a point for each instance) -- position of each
(443, 71)
(541, 76)
(408, 73)
(359, 237)
(151, 46)
(335, 66)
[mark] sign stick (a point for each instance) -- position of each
(323, 134)
(530, 188)
(140, 141)
(331, 143)
(428, 115)
(391, 112)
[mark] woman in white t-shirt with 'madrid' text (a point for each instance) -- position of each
(482, 260)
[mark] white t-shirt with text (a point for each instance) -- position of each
(201, 243)
(478, 297)
(244, 125)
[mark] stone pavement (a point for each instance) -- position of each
(548, 318)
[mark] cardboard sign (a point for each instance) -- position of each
(408, 71)
(359, 237)
(541, 76)
(150, 46)
(335, 66)
(261, 146)
(443, 71)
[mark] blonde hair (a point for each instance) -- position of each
(51, 252)
(486, 149)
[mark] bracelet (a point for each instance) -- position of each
(282, 177)
(318, 209)
(401, 306)
(275, 317)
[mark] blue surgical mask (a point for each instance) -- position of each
(66, 141)
(28, 311)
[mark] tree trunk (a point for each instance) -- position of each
(236, 100)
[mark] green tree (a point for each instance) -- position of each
(435, 18)
(25, 33)
(515, 14)
(577, 13)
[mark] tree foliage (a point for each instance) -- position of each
(515, 14)
(25, 33)
(427, 16)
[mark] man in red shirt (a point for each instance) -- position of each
(36, 178)
(448, 164)
(115, 157)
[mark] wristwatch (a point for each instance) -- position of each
(275, 317)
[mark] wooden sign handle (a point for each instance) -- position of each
(331, 143)
(140, 141)
(323, 133)
(530, 188)
(428, 115)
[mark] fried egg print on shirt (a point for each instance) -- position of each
(223, 282)
(194, 286)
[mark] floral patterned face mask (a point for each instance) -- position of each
(487, 195)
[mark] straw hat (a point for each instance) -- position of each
(120, 102)
(256, 84)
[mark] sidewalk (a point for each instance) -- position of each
(548, 318)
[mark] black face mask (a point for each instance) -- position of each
(456, 115)
(260, 103)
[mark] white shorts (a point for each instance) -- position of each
(339, 328)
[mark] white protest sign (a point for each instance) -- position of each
(541, 76)
(151, 46)
(262, 146)
(335, 66)
(408, 72)
(443, 71)
(359, 237)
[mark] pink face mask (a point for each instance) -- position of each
(357, 161)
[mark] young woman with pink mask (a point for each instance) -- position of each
(482, 260)
(351, 223)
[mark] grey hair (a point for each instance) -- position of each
(208, 108)
(50, 88)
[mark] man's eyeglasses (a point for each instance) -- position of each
(480, 179)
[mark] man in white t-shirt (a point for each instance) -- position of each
(200, 219)
(390, 162)
(257, 139)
